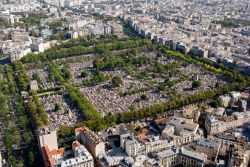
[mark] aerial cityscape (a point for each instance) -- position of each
(124, 83)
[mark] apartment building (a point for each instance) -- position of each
(179, 156)
(94, 144)
(82, 158)
(226, 140)
(180, 130)
(210, 148)
(214, 125)
(137, 145)
(78, 157)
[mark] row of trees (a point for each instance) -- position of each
(154, 110)
(22, 77)
(34, 106)
(37, 110)
(9, 85)
(17, 115)
(110, 62)
(79, 50)
(232, 22)
(59, 74)
(5, 113)
(86, 41)
(55, 74)
(81, 102)
(127, 30)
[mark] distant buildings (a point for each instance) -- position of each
(82, 26)
(39, 45)
(188, 29)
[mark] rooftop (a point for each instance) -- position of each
(93, 137)
(198, 156)
(166, 153)
(205, 143)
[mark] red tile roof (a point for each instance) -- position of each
(48, 155)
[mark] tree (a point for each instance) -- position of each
(196, 84)
(66, 74)
(116, 81)
(132, 108)
(12, 161)
(36, 77)
(144, 97)
(55, 25)
(82, 103)
(57, 107)
(31, 157)
(84, 74)
(217, 85)
(162, 87)
(215, 103)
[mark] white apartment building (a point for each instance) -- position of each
(214, 125)
(180, 131)
(134, 147)
(82, 157)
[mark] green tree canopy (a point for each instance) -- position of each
(116, 81)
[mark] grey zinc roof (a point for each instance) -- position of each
(198, 156)
(166, 153)
(206, 143)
